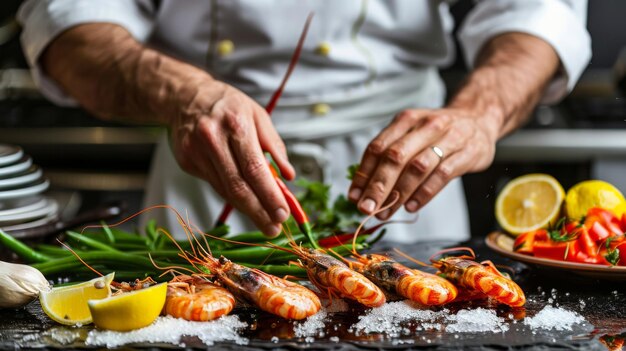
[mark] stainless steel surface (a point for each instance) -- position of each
(561, 145)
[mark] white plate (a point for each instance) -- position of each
(23, 164)
(28, 204)
(10, 154)
(31, 175)
(31, 189)
(51, 208)
(33, 224)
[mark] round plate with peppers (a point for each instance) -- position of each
(594, 245)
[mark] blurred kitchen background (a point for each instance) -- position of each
(96, 162)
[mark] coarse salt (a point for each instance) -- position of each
(556, 318)
(312, 326)
(170, 330)
(479, 320)
(389, 318)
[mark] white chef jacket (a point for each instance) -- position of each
(363, 62)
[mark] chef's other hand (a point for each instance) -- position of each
(417, 155)
(220, 136)
(218, 133)
(422, 150)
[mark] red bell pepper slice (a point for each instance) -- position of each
(598, 232)
(587, 244)
(524, 243)
(606, 218)
(622, 223)
(560, 250)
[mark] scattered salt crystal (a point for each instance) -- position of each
(389, 317)
(479, 320)
(170, 330)
(554, 318)
(309, 339)
(334, 338)
(274, 339)
(314, 325)
(64, 336)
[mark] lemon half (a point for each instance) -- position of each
(593, 193)
(529, 202)
(68, 304)
(129, 311)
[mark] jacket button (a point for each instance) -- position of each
(323, 48)
(320, 109)
(225, 47)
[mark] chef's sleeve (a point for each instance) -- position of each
(561, 23)
(44, 20)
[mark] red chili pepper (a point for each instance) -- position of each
(228, 208)
(622, 223)
(341, 239)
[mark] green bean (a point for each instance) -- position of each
(108, 232)
(104, 257)
(90, 242)
(21, 249)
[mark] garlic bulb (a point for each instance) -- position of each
(20, 284)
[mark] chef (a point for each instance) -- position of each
(366, 90)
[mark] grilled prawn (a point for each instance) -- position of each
(270, 293)
(194, 298)
(484, 278)
(334, 277)
(425, 288)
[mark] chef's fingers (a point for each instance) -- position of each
(213, 140)
(272, 143)
(256, 171)
(393, 161)
(450, 168)
(401, 124)
(422, 166)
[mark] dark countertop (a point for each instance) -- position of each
(604, 310)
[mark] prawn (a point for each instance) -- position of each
(482, 277)
(335, 277)
(415, 285)
(194, 298)
(270, 293)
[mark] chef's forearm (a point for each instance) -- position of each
(112, 75)
(511, 74)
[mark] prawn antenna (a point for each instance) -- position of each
(414, 260)
(453, 249)
(396, 197)
(168, 268)
(79, 258)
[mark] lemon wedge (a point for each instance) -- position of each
(529, 202)
(129, 311)
(593, 193)
(68, 304)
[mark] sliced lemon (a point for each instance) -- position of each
(68, 304)
(593, 193)
(129, 311)
(529, 202)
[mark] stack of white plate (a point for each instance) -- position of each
(22, 204)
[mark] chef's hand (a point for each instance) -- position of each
(220, 137)
(217, 132)
(422, 150)
(417, 155)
